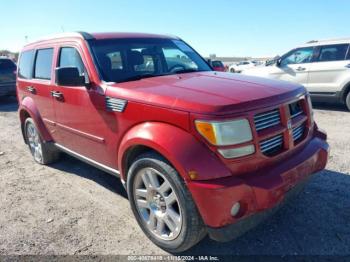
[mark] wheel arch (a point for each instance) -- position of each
(27, 109)
(177, 146)
(345, 91)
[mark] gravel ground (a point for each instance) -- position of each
(72, 208)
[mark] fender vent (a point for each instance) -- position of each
(115, 104)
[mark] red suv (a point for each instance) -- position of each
(198, 151)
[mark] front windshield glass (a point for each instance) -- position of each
(127, 59)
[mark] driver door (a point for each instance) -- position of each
(295, 66)
(79, 113)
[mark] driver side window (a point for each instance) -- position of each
(70, 57)
(298, 56)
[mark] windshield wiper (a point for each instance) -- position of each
(188, 70)
(137, 77)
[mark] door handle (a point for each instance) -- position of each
(300, 68)
(31, 89)
(57, 95)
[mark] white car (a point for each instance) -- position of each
(243, 65)
(323, 67)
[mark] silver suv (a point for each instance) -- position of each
(323, 67)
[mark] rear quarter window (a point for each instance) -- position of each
(43, 64)
(25, 68)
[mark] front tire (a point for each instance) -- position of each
(162, 204)
(43, 153)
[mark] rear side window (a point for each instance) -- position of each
(43, 64)
(26, 64)
(70, 57)
(332, 53)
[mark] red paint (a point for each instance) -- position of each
(160, 114)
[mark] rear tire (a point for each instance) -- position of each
(43, 153)
(151, 183)
(347, 100)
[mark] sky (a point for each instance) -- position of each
(256, 28)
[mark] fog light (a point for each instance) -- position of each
(235, 209)
(237, 152)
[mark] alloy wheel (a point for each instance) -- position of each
(157, 204)
(34, 142)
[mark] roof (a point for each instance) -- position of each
(106, 35)
(327, 42)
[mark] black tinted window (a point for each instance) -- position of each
(70, 57)
(332, 53)
(26, 64)
(7, 64)
(43, 64)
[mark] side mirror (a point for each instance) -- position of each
(69, 76)
(278, 60)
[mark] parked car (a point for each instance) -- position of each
(199, 152)
(323, 67)
(7, 77)
(218, 66)
(239, 67)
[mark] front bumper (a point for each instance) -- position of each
(259, 193)
(232, 231)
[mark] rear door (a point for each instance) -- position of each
(35, 81)
(331, 67)
(295, 66)
(40, 86)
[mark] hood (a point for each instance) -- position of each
(206, 92)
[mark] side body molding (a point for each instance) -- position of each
(178, 146)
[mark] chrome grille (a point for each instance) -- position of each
(271, 145)
(267, 119)
(115, 104)
(298, 132)
(295, 109)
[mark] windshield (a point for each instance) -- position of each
(217, 64)
(7, 64)
(121, 60)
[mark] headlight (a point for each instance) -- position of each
(225, 133)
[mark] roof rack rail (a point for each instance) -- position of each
(84, 35)
(312, 41)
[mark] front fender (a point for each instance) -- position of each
(179, 147)
(27, 106)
